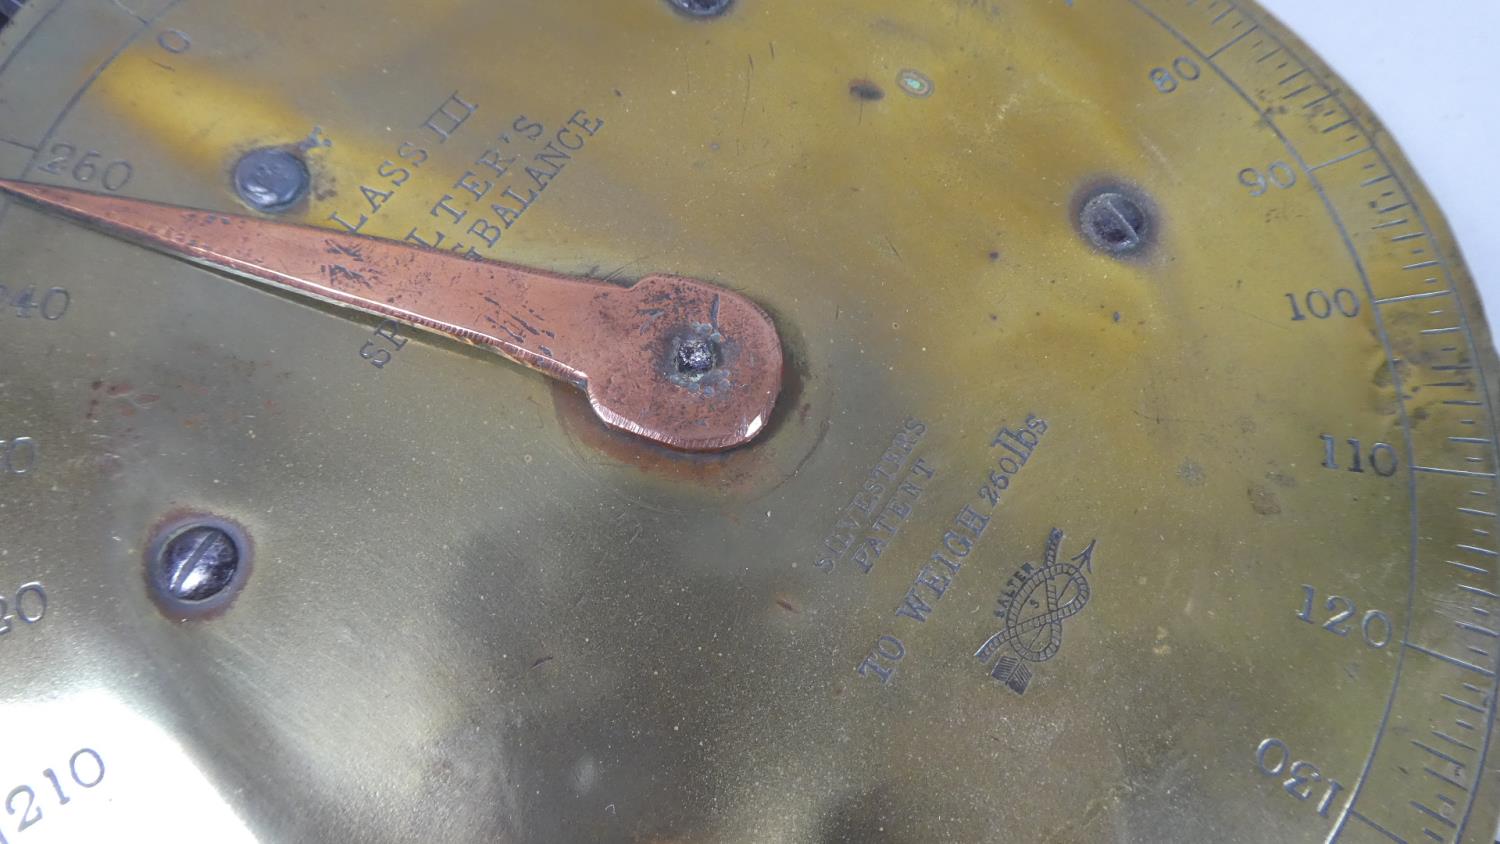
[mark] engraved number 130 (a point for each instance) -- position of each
(1274, 759)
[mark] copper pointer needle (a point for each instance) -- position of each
(678, 361)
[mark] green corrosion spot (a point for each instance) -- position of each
(914, 82)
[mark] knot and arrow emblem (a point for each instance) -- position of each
(1032, 608)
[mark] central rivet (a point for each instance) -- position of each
(697, 355)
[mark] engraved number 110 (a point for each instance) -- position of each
(1382, 457)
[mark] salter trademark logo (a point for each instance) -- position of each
(1032, 608)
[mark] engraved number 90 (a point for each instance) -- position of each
(1279, 175)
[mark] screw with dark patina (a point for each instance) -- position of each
(196, 562)
(702, 8)
(697, 355)
(271, 178)
(1115, 222)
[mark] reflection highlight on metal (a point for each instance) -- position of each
(92, 746)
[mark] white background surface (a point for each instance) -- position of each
(1431, 70)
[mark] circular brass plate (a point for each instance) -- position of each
(1043, 543)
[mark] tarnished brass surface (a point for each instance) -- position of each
(475, 613)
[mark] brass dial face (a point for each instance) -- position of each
(1132, 475)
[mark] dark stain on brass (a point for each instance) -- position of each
(864, 89)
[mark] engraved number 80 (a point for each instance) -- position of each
(1183, 68)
